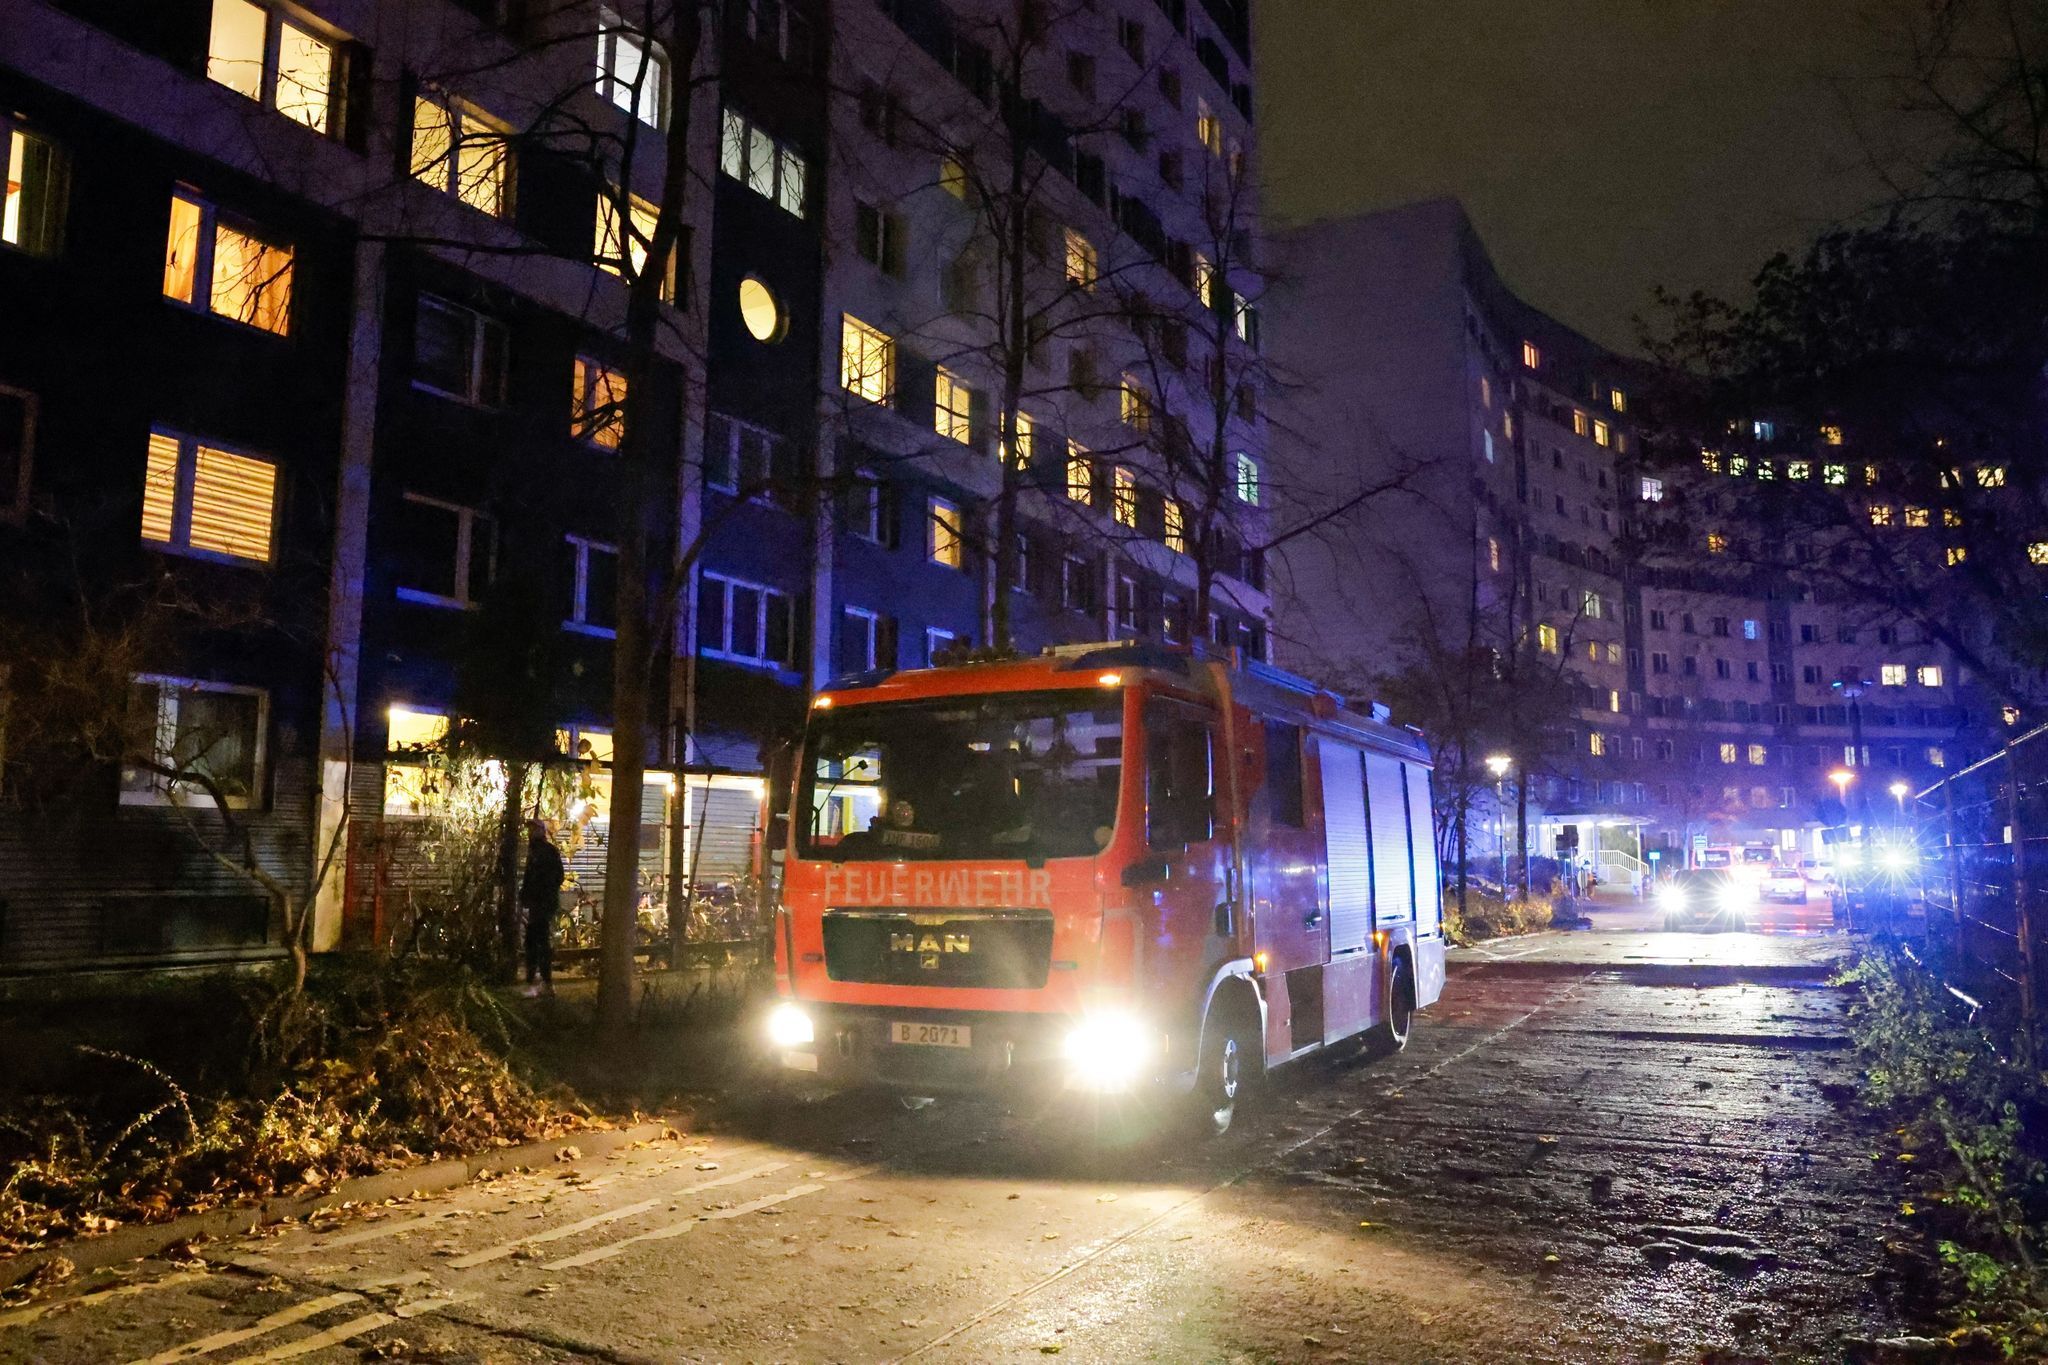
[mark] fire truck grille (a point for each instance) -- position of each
(1009, 949)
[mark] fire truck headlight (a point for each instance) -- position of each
(1110, 1050)
(789, 1026)
(1671, 898)
(1734, 896)
(1895, 860)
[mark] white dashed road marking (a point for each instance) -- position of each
(299, 1312)
(22, 1315)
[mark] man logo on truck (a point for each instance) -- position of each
(930, 946)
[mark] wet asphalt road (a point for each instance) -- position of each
(1618, 1145)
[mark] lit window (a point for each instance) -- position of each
(1507, 425)
(773, 170)
(409, 730)
(744, 622)
(1738, 465)
(1581, 424)
(1493, 554)
(1486, 444)
(459, 150)
(1208, 128)
(1602, 435)
(1831, 435)
(867, 361)
(195, 739)
(1717, 544)
(1951, 517)
(1651, 490)
(1928, 675)
(458, 353)
(1531, 357)
(1730, 753)
(1798, 470)
(1955, 555)
(217, 267)
(761, 312)
(1834, 475)
(1082, 264)
(1617, 400)
(1892, 675)
(953, 408)
(1596, 744)
(1614, 701)
(1485, 392)
(625, 252)
(1546, 638)
(1022, 449)
(1124, 501)
(1880, 515)
(600, 415)
(1134, 404)
(1710, 460)
(593, 584)
(32, 217)
(1764, 431)
(1245, 320)
(202, 501)
(953, 176)
(1991, 476)
(1080, 474)
(1590, 605)
(947, 546)
(256, 52)
(1614, 651)
(1916, 516)
(2037, 552)
(1250, 483)
(1176, 536)
(445, 553)
(1936, 757)
(1758, 755)
(632, 73)
(1593, 651)
(1752, 629)
(1205, 280)
(1766, 470)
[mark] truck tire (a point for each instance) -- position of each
(1229, 1061)
(1390, 1034)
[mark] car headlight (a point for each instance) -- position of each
(1109, 1050)
(1671, 897)
(789, 1026)
(1732, 897)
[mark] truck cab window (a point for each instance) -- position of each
(1180, 788)
(1283, 775)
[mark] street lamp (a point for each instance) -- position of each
(1498, 765)
(1898, 789)
(1842, 777)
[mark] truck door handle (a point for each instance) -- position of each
(1226, 919)
(1312, 921)
(1145, 873)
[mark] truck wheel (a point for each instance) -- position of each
(1229, 1061)
(1390, 1035)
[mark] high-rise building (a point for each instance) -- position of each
(317, 337)
(1687, 703)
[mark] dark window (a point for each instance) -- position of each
(458, 352)
(1081, 72)
(1179, 776)
(17, 444)
(1284, 801)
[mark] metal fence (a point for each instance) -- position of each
(1982, 835)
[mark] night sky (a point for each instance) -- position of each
(1602, 146)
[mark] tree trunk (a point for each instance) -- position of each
(508, 868)
(649, 473)
(1522, 822)
(1464, 810)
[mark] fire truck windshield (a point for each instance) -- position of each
(1022, 775)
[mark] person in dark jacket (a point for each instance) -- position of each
(540, 893)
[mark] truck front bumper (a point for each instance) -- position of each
(968, 1052)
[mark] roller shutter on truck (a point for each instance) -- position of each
(1348, 842)
(1429, 910)
(1387, 811)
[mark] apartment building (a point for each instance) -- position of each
(1692, 704)
(357, 272)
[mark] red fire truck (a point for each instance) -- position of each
(1110, 868)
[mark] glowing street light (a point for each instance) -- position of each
(1498, 765)
(1842, 777)
(1898, 789)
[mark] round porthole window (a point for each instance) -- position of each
(761, 311)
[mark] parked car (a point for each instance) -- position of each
(1703, 900)
(1786, 884)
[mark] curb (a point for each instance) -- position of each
(132, 1242)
